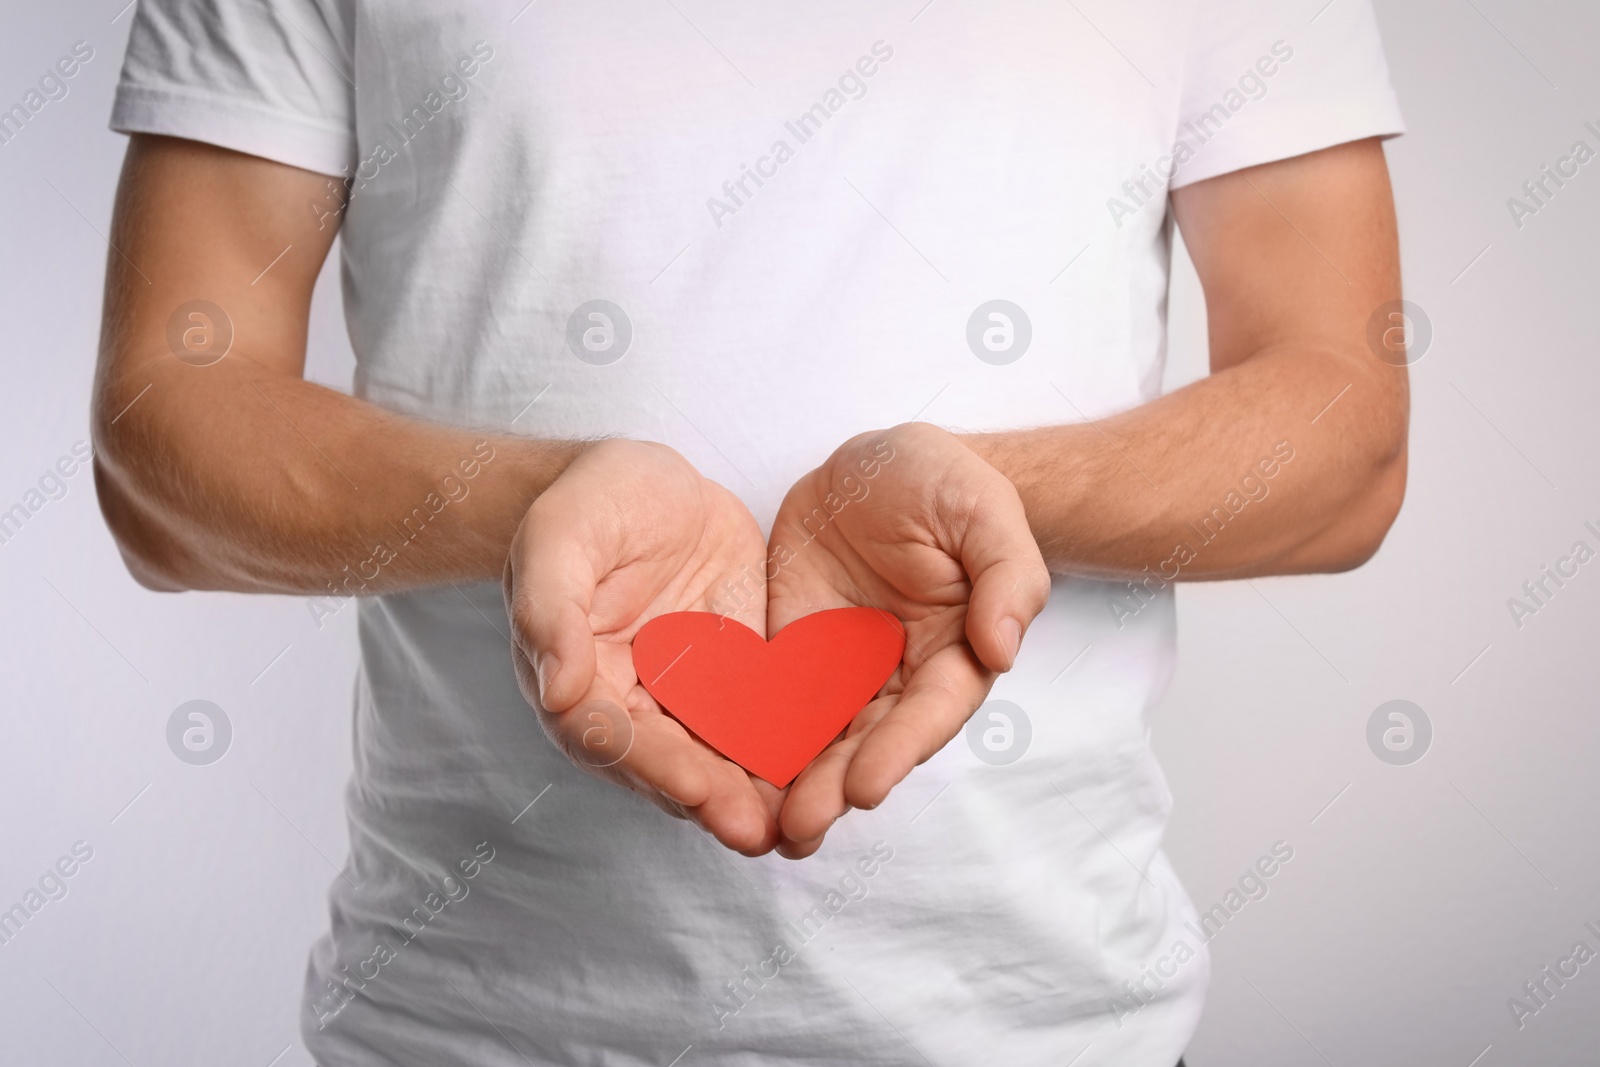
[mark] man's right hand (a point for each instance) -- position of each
(629, 531)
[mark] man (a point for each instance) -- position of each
(663, 306)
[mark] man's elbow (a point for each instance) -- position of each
(1367, 523)
(151, 575)
(148, 551)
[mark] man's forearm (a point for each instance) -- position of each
(237, 473)
(235, 477)
(1246, 472)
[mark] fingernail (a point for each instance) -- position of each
(1009, 633)
(546, 667)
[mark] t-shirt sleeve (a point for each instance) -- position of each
(1262, 83)
(271, 78)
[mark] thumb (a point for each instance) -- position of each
(549, 588)
(1010, 582)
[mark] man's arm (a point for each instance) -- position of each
(1294, 256)
(240, 474)
(1289, 457)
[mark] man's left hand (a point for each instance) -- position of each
(910, 521)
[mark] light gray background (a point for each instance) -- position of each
(1417, 902)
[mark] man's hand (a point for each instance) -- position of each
(914, 523)
(630, 531)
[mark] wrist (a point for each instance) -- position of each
(1053, 472)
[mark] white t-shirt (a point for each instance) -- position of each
(797, 218)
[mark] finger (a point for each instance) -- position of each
(1010, 583)
(733, 812)
(799, 850)
(816, 797)
(939, 698)
(772, 799)
(551, 578)
(652, 754)
(647, 752)
(816, 800)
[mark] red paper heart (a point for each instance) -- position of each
(769, 706)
